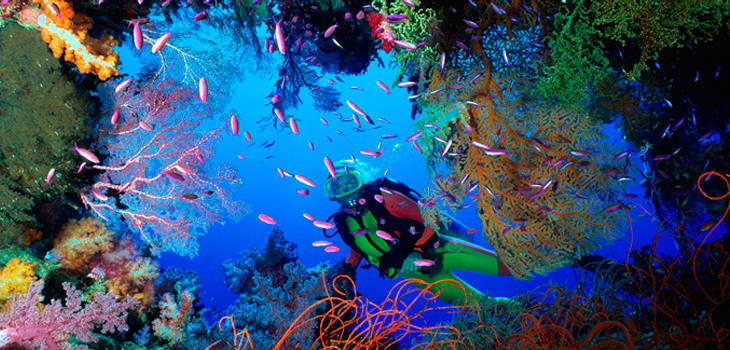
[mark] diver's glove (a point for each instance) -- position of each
(408, 264)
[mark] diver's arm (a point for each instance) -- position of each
(353, 259)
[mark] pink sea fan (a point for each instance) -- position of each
(50, 327)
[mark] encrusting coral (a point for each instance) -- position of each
(66, 33)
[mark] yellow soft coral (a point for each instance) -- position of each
(79, 241)
(66, 31)
(15, 277)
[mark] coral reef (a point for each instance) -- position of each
(273, 282)
(43, 113)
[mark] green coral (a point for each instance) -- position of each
(42, 114)
(658, 24)
(414, 29)
(578, 63)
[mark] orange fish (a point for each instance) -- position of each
(189, 196)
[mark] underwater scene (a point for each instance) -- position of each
(364, 174)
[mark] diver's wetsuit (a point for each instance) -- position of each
(400, 216)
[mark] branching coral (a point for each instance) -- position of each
(547, 185)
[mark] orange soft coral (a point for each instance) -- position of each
(66, 32)
(79, 241)
(15, 277)
(134, 277)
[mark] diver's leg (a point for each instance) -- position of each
(447, 288)
(460, 255)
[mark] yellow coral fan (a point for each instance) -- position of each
(15, 278)
(79, 241)
(66, 34)
(541, 175)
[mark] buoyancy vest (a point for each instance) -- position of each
(398, 215)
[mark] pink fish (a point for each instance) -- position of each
(234, 125)
(267, 219)
(54, 9)
(406, 84)
(332, 249)
(86, 154)
(330, 31)
(418, 147)
(200, 16)
(311, 145)
(304, 180)
(293, 126)
(404, 44)
(424, 262)
(308, 216)
(279, 36)
(383, 86)
(323, 121)
(321, 243)
(115, 116)
(160, 42)
(613, 208)
(385, 235)
(183, 169)
(100, 196)
(203, 90)
(122, 85)
(361, 232)
(356, 108)
(199, 155)
(330, 167)
(275, 99)
(137, 33)
(415, 134)
(378, 198)
(240, 156)
(50, 175)
(247, 135)
(360, 15)
(145, 126)
(323, 224)
(279, 115)
(81, 167)
(281, 172)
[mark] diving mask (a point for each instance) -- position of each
(344, 185)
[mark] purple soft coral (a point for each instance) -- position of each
(51, 326)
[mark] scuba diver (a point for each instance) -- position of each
(381, 221)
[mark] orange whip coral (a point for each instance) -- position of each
(358, 323)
